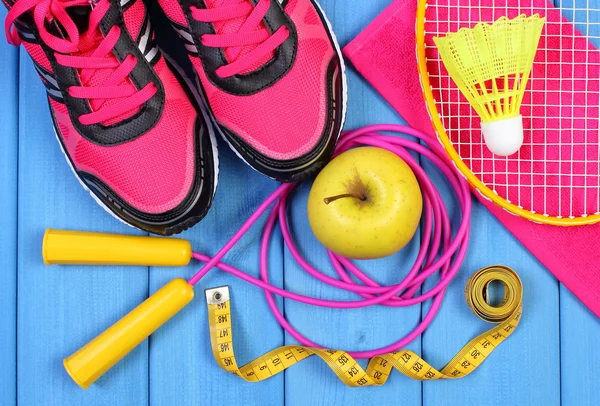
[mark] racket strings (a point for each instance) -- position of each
(556, 172)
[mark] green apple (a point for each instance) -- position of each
(366, 203)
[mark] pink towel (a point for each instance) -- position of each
(570, 253)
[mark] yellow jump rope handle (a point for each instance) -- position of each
(91, 361)
(84, 248)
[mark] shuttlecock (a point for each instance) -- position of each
(491, 64)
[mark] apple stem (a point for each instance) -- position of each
(328, 200)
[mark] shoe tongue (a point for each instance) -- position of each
(80, 16)
(233, 26)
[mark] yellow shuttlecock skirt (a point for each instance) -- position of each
(491, 64)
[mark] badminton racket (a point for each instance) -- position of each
(554, 178)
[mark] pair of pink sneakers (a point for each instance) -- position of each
(141, 139)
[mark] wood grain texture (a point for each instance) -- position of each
(359, 329)
(550, 360)
(579, 357)
(181, 360)
(9, 120)
(60, 308)
(529, 360)
(579, 328)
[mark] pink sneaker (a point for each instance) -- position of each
(128, 128)
(273, 75)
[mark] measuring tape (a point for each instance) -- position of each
(507, 315)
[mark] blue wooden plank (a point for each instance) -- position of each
(359, 329)
(61, 308)
(579, 328)
(9, 82)
(544, 354)
(181, 360)
(70, 305)
(580, 361)
(526, 367)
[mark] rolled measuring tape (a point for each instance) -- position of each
(506, 315)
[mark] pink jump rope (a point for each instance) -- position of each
(439, 251)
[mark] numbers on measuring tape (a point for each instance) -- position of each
(342, 360)
(353, 371)
(361, 382)
(379, 368)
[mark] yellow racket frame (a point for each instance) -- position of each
(460, 165)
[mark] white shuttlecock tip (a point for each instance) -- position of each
(504, 137)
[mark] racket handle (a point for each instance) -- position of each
(91, 361)
(86, 248)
